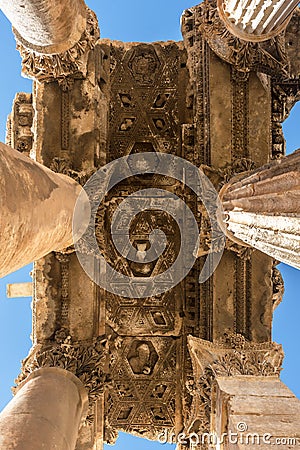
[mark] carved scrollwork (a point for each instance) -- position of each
(64, 166)
(57, 66)
(88, 361)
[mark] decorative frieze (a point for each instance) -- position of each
(270, 57)
(19, 125)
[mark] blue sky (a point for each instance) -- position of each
(127, 21)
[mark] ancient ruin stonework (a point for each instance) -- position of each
(217, 101)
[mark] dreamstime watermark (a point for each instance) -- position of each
(241, 436)
(94, 193)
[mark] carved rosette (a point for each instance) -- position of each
(57, 66)
(87, 361)
(230, 357)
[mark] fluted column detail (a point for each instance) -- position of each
(36, 207)
(256, 20)
(262, 209)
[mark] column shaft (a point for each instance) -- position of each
(256, 20)
(263, 209)
(46, 26)
(45, 413)
(256, 412)
(36, 207)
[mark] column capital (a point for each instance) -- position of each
(46, 67)
(256, 20)
(231, 357)
(273, 57)
(86, 361)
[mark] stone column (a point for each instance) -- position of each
(54, 37)
(36, 207)
(255, 412)
(256, 20)
(262, 209)
(239, 402)
(46, 26)
(45, 413)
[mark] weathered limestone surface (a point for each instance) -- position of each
(36, 210)
(47, 26)
(260, 412)
(263, 209)
(216, 101)
(19, 290)
(256, 20)
(46, 412)
(245, 403)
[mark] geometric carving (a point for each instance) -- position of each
(159, 124)
(157, 104)
(142, 357)
(143, 64)
(142, 147)
(126, 100)
(161, 100)
(127, 123)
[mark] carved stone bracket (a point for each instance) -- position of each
(88, 361)
(270, 57)
(229, 357)
(50, 67)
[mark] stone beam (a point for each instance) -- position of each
(256, 20)
(18, 290)
(36, 210)
(46, 412)
(262, 209)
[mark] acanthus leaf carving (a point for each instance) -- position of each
(57, 66)
(230, 356)
(268, 57)
(87, 361)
